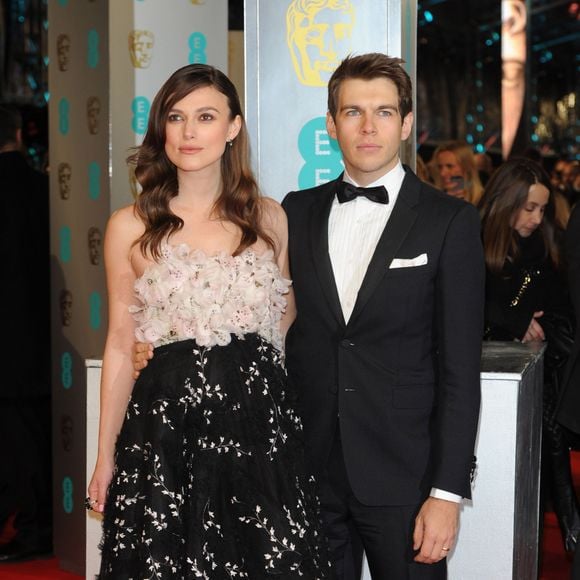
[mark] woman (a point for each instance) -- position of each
(526, 300)
(568, 411)
(200, 463)
(456, 172)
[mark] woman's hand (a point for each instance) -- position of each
(99, 485)
(535, 331)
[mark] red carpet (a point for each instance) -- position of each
(555, 564)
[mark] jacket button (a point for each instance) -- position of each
(346, 343)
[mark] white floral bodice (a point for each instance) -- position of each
(188, 294)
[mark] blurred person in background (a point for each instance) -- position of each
(455, 171)
(527, 300)
(568, 411)
(25, 469)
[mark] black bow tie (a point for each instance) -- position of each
(347, 192)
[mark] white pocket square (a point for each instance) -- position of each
(420, 260)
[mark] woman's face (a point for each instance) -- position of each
(528, 218)
(451, 173)
(197, 130)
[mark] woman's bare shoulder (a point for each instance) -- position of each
(125, 221)
(273, 214)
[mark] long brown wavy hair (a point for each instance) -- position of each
(505, 193)
(239, 199)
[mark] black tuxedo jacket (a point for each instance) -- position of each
(402, 376)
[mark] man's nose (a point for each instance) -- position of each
(368, 124)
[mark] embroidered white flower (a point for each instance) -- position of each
(189, 294)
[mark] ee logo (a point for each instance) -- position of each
(63, 111)
(197, 44)
(65, 246)
(93, 48)
(66, 370)
(322, 157)
(94, 180)
(95, 310)
(67, 495)
(140, 108)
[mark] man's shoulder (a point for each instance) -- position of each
(304, 197)
(434, 198)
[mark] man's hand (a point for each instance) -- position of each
(435, 530)
(142, 353)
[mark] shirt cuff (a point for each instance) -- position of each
(446, 495)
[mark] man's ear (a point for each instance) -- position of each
(407, 126)
(330, 126)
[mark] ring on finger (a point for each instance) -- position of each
(89, 503)
(445, 549)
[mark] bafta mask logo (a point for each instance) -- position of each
(65, 303)
(64, 180)
(63, 52)
(141, 44)
(93, 114)
(318, 33)
(95, 239)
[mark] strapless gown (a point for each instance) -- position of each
(210, 477)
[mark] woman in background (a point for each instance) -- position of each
(527, 300)
(200, 469)
(455, 171)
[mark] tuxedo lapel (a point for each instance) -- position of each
(400, 222)
(319, 246)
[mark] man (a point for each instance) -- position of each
(25, 473)
(385, 350)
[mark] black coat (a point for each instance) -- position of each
(401, 378)
(25, 288)
(569, 407)
(527, 284)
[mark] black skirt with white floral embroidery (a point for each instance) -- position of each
(209, 479)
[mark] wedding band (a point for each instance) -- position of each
(89, 503)
(445, 549)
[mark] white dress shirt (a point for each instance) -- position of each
(354, 229)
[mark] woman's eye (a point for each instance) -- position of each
(206, 117)
(173, 117)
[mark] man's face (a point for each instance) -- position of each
(368, 127)
(64, 179)
(141, 48)
(320, 42)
